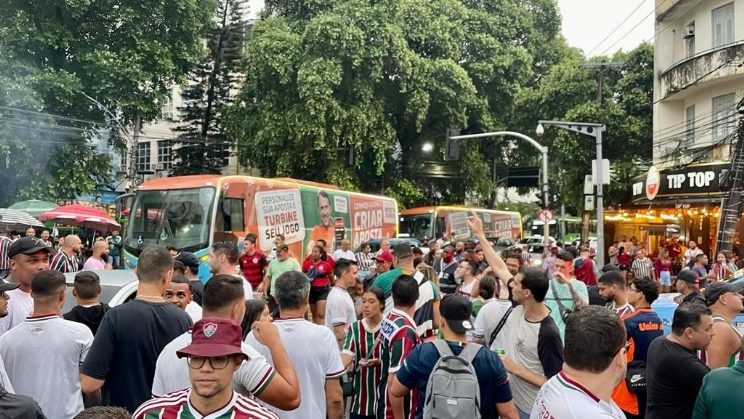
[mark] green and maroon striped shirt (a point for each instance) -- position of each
(359, 341)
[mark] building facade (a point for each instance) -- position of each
(699, 80)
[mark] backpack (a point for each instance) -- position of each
(452, 391)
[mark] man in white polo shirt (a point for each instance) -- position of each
(28, 256)
(223, 298)
(594, 363)
(340, 311)
(312, 349)
(43, 355)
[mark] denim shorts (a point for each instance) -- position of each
(665, 278)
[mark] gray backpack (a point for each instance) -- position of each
(453, 391)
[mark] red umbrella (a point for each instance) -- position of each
(81, 216)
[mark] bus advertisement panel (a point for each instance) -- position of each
(193, 212)
(449, 222)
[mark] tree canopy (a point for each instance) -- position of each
(384, 78)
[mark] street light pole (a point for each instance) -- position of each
(543, 150)
(592, 130)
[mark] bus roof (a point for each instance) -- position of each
(199, 181)
(431, 209)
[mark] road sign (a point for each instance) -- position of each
(545, 215)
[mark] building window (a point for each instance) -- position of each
(724, 117)
(723, 25)
(123, 161)
(689, 37)
(143, 156)
(165, 156)
(689, 126)
(167, 108)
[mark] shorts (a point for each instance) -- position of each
(665, 278)
(622, 267)
(319, 293)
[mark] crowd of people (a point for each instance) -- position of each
(459, 332)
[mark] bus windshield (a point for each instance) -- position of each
(176, 217)
(416, 226)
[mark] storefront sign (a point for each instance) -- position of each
(687, 182)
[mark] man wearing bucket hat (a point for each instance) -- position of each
(213, 356)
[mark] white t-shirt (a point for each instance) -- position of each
(563, 398)
(488, 318)
(314, 353)
(194, 311)
(172, 373)
(246, 287)
(4, 379)
(340, 254)
(691, 254)
(339, 308)
(43, 357)
(20, 306)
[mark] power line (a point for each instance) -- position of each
(588, 54)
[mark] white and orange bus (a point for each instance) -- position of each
(449, 223)
(193, 212)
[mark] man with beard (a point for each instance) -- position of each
(325, 230)
(223, 260)
(594, 357)
(611, 286)
(725, 301)
(214, 355)
(99, 260)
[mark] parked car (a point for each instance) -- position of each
(374, 244)
(117, 287)
(501, 243)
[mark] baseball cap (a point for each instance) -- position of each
(213, 336)
(385, 256)
(608, 268)
(7, 286)
(281, 247)
(715, 290)
(688, 276)
(27, 246)
(456, 311)
(188, 259)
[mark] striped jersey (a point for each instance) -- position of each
(360, 340)
(363, 260)
(5, 243)
(736, 356)
(563, 398)
(177, 405)
(61, 262)
(642, 268)
(399, 337)
(621, 310)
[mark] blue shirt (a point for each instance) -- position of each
(492, 377)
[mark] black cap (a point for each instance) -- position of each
(7, 286)
(456, 311)
(27, 246)
(609, 267)
(688, 276)
(188, 259)
(715, 290)
(416, 250)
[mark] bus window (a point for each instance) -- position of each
(416, 226)
(230, 216)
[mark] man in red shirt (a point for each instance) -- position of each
(253, 264)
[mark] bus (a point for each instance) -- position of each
(449, 223)
(573, 228)
(192, 213)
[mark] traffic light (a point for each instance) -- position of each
(452, 147)
(541, 199)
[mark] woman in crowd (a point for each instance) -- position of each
(255, 311)
(319, 272)
(361, 354)
(663, 268)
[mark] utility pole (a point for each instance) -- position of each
(601, 67)
(733, 184)
(133, 149)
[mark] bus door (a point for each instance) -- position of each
(229, 224)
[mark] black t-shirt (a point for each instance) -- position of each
(446, 272)
(694, 296)
(674, 375)
(197, 290)
(126, 348)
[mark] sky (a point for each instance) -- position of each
(587, 22)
